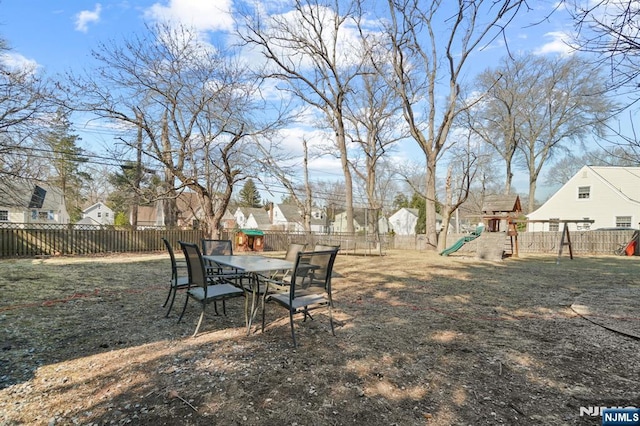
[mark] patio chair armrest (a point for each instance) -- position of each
(275, 286)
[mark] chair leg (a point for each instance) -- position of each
(331, 320)
(215, 307)
(184, 308)
(263, 309)
(173, 291)
(199, 321)
(293, 332)
(168, 295)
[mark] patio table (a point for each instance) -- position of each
(253, 266)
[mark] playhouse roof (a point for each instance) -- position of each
(501, 204)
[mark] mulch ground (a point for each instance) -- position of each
(420, 339)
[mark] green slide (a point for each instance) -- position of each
(462, 241)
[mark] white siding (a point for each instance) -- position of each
(606, 199)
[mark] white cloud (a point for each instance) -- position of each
(15, 61)
(560, 43)
(202, 15)
(84, 18)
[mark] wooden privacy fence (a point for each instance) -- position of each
(19, 240)
(582, 242)
(65, 240)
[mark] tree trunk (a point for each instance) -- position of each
(348, 180)
(430, 206)
(532, 195)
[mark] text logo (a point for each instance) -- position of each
(629, 416)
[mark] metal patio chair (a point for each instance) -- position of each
(205, 288)
(292, 253)
(178, 281)
(308, 289)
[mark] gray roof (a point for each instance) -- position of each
(26, 195)
(501, 203)
(291, 212)
(259, 214)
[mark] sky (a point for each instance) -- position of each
(57, 35)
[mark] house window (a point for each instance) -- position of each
(106, 214)
(584, 192)
(585, 226)
(99, 214)
(34, 214)
(43, 215)
(623, 221)
(554, 226)
(51, 215)
(4, 215)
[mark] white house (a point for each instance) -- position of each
(610, 196)
(25, 202)
(288, 217)
(252, 218)
(403, 222)
(362, 220)
(97, 214)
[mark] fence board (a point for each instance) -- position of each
(16, 240)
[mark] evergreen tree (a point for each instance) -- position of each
(66, 161)
(400, 201)
(249, 195)
(125, 194)
(418, 202)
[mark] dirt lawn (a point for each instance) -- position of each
(420, 340)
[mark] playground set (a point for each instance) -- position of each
(501, 213)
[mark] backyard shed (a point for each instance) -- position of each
(249, 240)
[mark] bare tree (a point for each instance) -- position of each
(308, 49)
(431, 42)
(567, 105)
(25, 104)
(373, 113)
(460, 173)
(301, 195)
(495, 110)
(193, 104)
(531, 106)
(610, 31)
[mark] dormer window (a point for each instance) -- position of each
(584, 192)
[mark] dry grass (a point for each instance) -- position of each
(421, 339)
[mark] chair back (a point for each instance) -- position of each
(319, 261)
(324, 247)
(293, 250)
(217, 247)
(195, 266)
(312, 272)
(174, 265)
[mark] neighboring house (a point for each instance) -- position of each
(252, 218)
(228, 221)
(288, 217)
(149, 217)
(189, 213)
(362, 220)
(189, 210)
(610, 196)
(30, 203)
(403, 222)
(97, 214)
